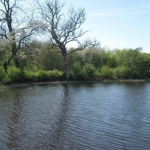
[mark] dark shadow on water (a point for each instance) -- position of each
(86, 85)
(60, 127)
(13, 124)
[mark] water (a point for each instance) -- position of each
(107, 116)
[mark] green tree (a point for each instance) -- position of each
(49, 57)
(143, 65)
(110, 59)
(76, 56)
(128, 58)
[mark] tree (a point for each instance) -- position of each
(64, 28)
(143, 65)
(13, 29)
(49, 58)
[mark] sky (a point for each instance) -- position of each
(117, 23)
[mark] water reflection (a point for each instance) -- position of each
(10, 118)
(13, 137)
(60, 126)
(75, 116)
(15, 126)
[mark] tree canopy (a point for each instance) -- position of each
(26, 54)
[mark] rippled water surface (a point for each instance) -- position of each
(109, 116)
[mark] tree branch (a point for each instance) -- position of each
(85, 44)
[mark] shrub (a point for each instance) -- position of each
(2, 74)
(106, 72)
(55, 74)
(15, 74)
(98, 74)
(121, 72)
(76, 71)
(6, 79)
(88, 72)
(42, 75)
(30, 76)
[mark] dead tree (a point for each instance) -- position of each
(64, 28)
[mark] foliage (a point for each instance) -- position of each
(110, 59)
(121, 72)
(12, 76)
(76, 71)
(88, 72)
(63, 29)
(106, 72)
(143, 64)
(25, 59)
(42, 75)
(2, 74)
(42, 62)
(6, 80)
(15, 74)
(15, 30)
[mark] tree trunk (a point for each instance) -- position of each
(14, 53)
(16, 61)
(5, 65)
(66, 74)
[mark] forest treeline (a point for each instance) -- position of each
(34, 46)
(43, 63)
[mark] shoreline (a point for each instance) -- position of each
(72, 82)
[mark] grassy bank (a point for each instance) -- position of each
(87, 74)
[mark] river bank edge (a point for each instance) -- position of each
(3, 87)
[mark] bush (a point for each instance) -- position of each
(42, 75)
(121, 72)
(6, 79)
(31, 76)
(76, 71)
(88, 72)
(106, 72)
(55, 74)
(15, 74)
(2, 74)
(98, 74)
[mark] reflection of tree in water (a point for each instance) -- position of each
(13, 127)
(60, 127)
(49, 140)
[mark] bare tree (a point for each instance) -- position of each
(14, 29)
(64, 28)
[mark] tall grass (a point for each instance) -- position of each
(16, 75)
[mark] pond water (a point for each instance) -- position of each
(107, 116)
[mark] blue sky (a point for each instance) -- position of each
(117, 23)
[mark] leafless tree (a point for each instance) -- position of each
(14, 29)
(64, 28)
